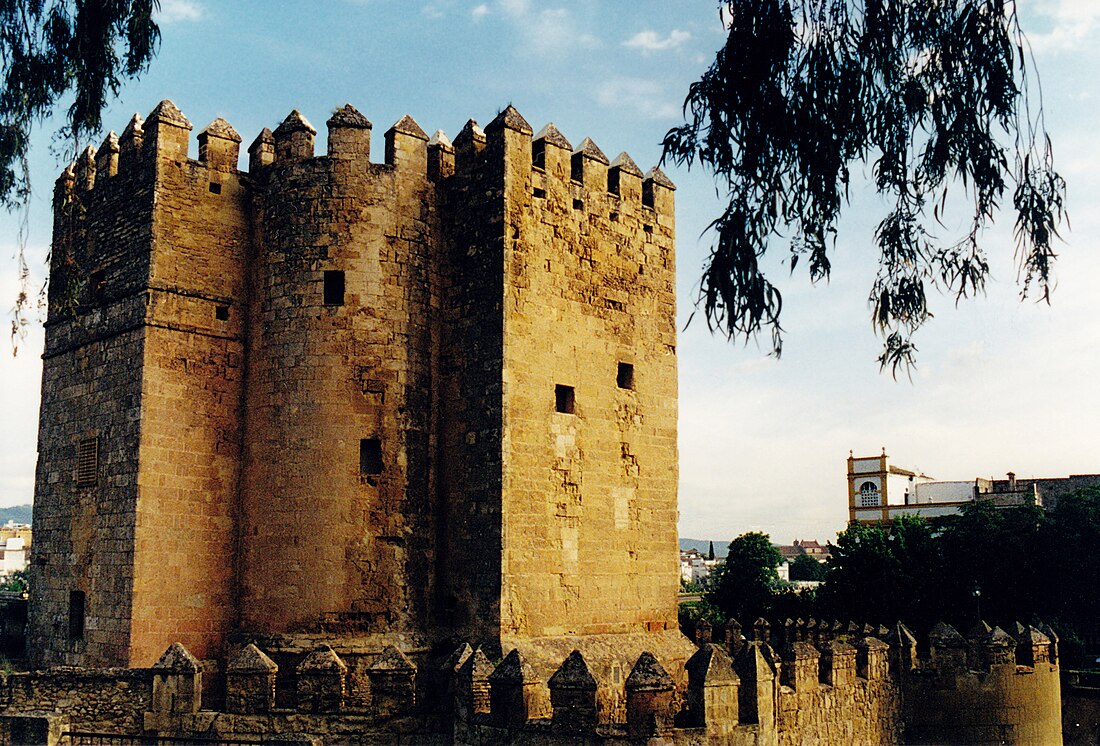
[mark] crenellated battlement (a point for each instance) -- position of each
(583, 173)
(802, 681)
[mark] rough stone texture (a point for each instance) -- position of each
(1006, 704)
(392, 683)
(106, 700)
(573, 695)
(250, 682)
(321, 685)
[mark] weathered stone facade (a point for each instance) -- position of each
(392, 403)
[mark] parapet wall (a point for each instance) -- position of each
(804, 682)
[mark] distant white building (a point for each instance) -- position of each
(15, 543)
(695, 567)
(879, 491)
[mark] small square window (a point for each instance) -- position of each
(625, 377)
(334, 287)
(76, 615)
(578, 204)
(539, 193)
(370, 457)
(221, 313)
(215, 188)
(564, 399)
(87, 462)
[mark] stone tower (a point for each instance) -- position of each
(378, 403)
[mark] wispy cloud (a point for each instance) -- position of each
(645, 97)
(480, 11)
(651, 41)
(555, 30)
(434, 11)
(515, 8)
(1073, 24)
(548, 31)
(180, 11)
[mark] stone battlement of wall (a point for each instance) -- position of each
(825, 682)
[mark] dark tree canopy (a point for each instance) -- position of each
(933, 93)
(749, 579)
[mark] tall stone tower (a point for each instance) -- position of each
(393, 403)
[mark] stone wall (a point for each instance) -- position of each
(91, 407)
(589, 492)
(105, 700)
(327, 375)
(819, 684)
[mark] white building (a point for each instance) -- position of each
(879, 491)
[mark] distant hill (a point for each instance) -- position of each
(19, 514)
(721, 546)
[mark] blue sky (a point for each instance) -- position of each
(1001, 385)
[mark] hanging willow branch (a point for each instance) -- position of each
(926, 91)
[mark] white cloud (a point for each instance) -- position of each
(651, 41)
(645, 97)
(434, 11)
(180, 11)
(550, 31)
(554, 31)
(515, 8)
(480, 11)
(1073, 24)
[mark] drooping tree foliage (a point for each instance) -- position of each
(65, 50)
(76, 52)
(933, 93)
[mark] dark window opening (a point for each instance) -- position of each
(334, 287)
(647, 195)
(578, 204)
(87, 462)
(215, 188)
(540, 193)
(625, 377)
(221, 313)
(538, 154)
(97, 286)
(564, 399)
(614, 217)
(647, 228)
(370, 457)
(76, 615)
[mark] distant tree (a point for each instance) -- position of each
(806, 567)
(52, 50)
(710, 552)
(927, 91)
(748, 582)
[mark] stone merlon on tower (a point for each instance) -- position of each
(374, 404)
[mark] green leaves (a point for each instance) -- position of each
(927, 91)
